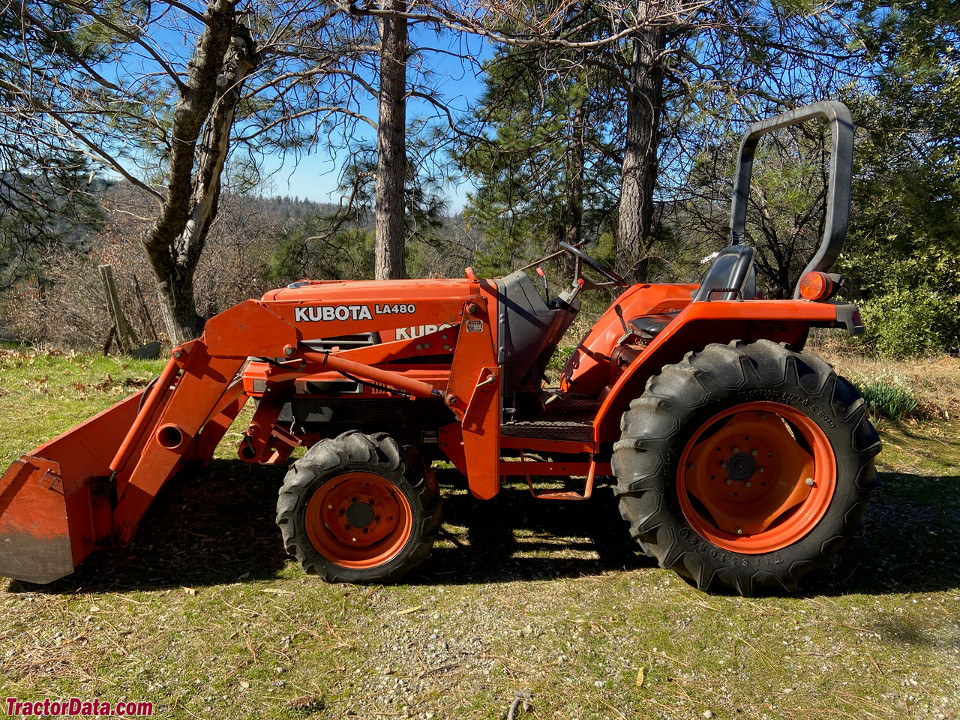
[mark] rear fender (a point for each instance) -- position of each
(703, 323)
(588, 369)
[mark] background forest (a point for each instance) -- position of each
(154, 136)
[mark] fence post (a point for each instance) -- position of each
(126, 338)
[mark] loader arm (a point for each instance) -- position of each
(90, 487)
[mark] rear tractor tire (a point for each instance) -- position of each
(358, 508)
(746, 466)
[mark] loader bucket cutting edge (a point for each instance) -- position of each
(54, 502)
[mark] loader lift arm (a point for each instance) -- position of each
(89, 488)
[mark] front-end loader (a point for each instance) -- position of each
(741, 460)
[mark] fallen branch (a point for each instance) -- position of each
(517, 701)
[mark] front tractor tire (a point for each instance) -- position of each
(746, 466)
(358, 508)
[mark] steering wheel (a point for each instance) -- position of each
(595, 264)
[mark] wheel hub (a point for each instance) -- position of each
(741, 467)
(358, 517)
(360, 514)
(740, 462)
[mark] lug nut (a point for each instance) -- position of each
(754, 453)
(689, 466)
(723, 463)
(748, 484)
(736, 449)
(739, 531)
(729, 481)
(760, 469)
(810, 482)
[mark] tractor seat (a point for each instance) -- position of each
(649, 326)
(731, 277)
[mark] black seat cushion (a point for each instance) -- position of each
(649, 326)
(730, 277)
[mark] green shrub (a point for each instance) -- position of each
(887, 398)
(912, 322)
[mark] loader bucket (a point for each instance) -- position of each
(55, 504)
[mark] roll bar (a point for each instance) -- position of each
(838, 188)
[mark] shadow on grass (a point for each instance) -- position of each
(516, 537)
(911, 544)
(218, 527)
(205, 527)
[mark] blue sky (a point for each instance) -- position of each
(314, 176)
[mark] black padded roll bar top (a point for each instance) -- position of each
(838, 189)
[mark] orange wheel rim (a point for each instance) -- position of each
(358, 520)
(756, 478)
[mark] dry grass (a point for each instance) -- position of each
(933, 381)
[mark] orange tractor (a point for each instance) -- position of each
(741, 460)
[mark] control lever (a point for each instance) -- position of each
(619, 311)
(627, 332)
(543, 276)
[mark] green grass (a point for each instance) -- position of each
(206, 616)
(44, 394)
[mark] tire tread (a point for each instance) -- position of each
(645, 457)
(331, 456)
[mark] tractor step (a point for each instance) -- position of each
(565, 418)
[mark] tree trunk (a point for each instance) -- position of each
(644, 108)
(225, 55)
(391, 145)
(576, 162)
